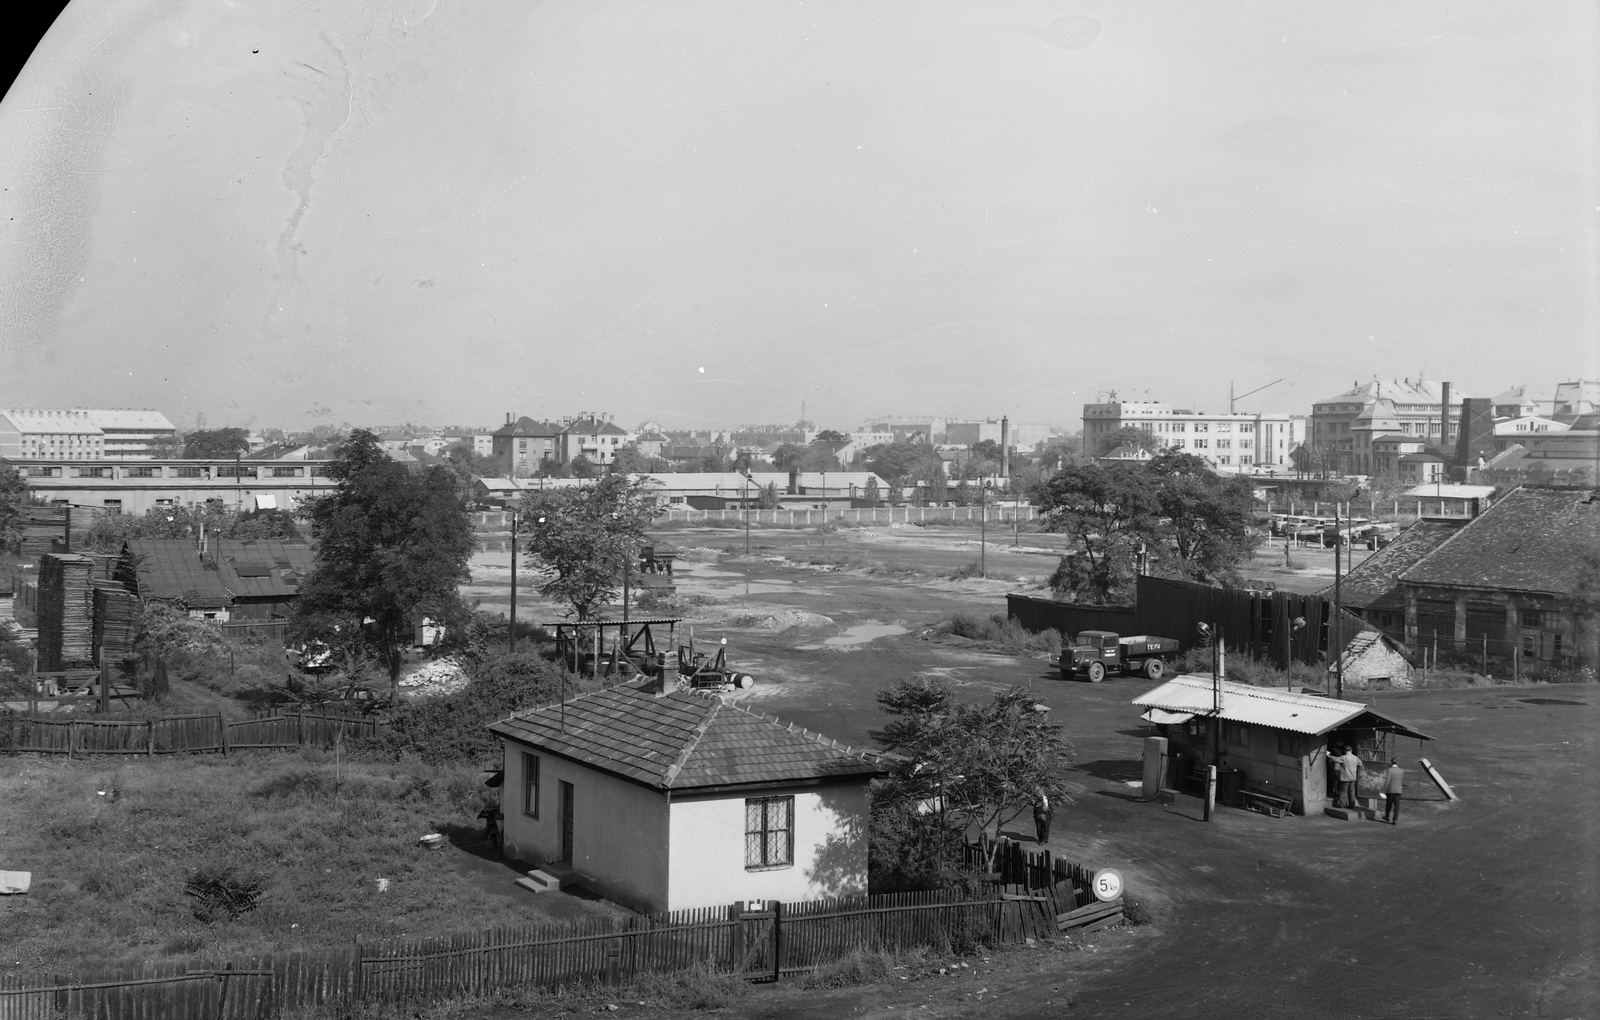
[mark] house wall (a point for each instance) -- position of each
(1510, 620)
(708, 848)
(1381, 664)
(1300, 776)
(619, 831)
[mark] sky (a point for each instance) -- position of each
(288, 212)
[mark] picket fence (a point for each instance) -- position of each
(761, 941)
(173, 734)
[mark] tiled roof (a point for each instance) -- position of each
(1528, 541)
(1374, 583)
(51, 421)
(133, 419)
(527, 428)
(593, 427)
(684, 740)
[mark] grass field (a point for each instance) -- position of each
(112, 845)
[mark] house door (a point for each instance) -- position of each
(566, 822)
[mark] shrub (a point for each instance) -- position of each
(1002, 630)
(222, 893)
(860, 966)
(453, 728)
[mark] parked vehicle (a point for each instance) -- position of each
(1097, 652)
(1347, 531)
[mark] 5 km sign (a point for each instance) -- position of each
(1107, 884)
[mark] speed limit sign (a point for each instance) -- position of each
(1108, 884)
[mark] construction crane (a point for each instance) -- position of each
(1258, 389)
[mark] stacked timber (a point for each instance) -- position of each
(66, 612)
(42, 528)
(116, 621)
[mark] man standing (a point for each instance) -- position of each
(1349, 771)
(1041, 818)
(1394, 781)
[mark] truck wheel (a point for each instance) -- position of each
(1155, 669)
(1097, 672)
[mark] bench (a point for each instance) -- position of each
(1264, 799)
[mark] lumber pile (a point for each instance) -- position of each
(66, 612)
(116, 621)
(42, 528)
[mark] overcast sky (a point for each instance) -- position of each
(276, 212)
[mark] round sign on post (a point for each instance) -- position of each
(1108, 884)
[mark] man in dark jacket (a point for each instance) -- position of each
(1041, 817)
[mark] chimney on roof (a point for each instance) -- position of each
(1444, 420)
(508, 417)
(1005, 446)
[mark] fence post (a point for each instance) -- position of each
(357, 990)
(222, 725)
(735, 913)
(72, 737)
(150, 738)
(300, 725)
(777, 940)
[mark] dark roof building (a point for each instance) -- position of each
(1372, 588)
(247, 578)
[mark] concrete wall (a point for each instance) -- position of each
(1379, 667)
(708, 848)
(619, 832)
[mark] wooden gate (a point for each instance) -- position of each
(756, 947)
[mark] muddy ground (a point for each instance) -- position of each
(1482, 907)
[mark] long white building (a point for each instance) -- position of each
(82, 433)
(1232, 443)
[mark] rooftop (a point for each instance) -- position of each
(1374, 583)
(1267, 706)
(173, 568)
(1531, 540)
(684, 740)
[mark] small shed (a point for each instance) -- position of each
(1267, 738)
(1374, 662)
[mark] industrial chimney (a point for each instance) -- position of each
(1005, 446)
(1444, 421)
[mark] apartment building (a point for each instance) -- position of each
(1232, 443)
(1344, 426)
(82, 433)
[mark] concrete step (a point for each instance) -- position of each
(540, 880)
(1347, 814)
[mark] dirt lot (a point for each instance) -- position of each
(1484, 907)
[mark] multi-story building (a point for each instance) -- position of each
(971, 433)
(1515, 403)
(1575, 399)
(523, 446)
(83, 433)
(911, 430)
(1232, 443)
(1344, 426)
(593, 437)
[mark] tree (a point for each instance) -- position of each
(871, 494)
(979, 765)
(212, 444)
(13, 497)
(583, 467)
(1129, 435)
(165, 447)
(581, 538)
(787, 457)
(1108, 512)
(1205, 519)
(393, 545)
(768, 498)
(468, 464)
(832, 436)
(986, 449)
(629, 460)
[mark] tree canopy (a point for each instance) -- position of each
(13, 497)
(216, 443)
(581, 538)
(393, 545)
(1189, 522)
(788, 456)
(978, 765)
(1129, 435)
(109, 531)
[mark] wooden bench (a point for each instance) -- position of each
(1266, 800)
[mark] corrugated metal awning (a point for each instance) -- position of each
(1266, 706)
(1161, 715)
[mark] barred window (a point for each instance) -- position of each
(768, 833)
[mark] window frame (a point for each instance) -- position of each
(760, 853)
(530, 784)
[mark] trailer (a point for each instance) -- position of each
(1096, 653)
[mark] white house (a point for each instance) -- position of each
(666, 800)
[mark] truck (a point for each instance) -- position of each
(1094, 653)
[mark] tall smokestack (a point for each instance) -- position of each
(1005, 446)
(1444, 420)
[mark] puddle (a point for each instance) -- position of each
(1550, 701)
(860, 634)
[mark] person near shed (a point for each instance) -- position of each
(1394, 782)
(1349, 772)
(1041, 817)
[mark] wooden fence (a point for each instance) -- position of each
(756, 940)
(883, 515)
(173, 734)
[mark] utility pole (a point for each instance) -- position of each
(512, 629)
(1338, 605)
(983, 530)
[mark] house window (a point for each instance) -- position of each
(141, 472)
(530, 785)
(1237, 734)
(287, 472)
(1202, 426)
(1288, 744)
(1200, 444)
(188, 472)
(1546, 618)
(1224, 444)
(114, 505)
(768, 833)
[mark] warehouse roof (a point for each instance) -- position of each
(1269, 706)
(1531, 540)
(132, 418)
(684, 740)
(173, 569)
(1374, 583)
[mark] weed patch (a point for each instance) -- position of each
(1001, 631)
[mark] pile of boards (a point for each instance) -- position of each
(42, 528)
(66, 612)
(116, 621)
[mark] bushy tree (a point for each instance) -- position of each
(393, 545)
(583, 467)
(1129, 435)
(787, 457)
(972, 766)
(581, 538)
(872, 494)
(629, 460)
(1205, 519)
(13, 497)
(109, 531)
(216, 443)
(469, 464)
(768, 499)
(1107, 512)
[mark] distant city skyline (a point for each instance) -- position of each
(710, 214)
